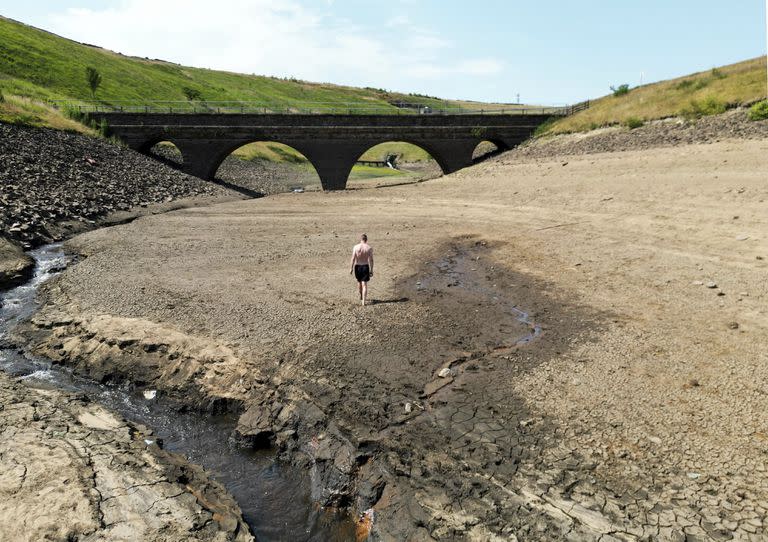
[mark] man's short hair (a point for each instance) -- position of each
(364, 237)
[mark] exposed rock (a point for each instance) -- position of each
(15, 266)
(71, 470)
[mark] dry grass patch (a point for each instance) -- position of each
(737, 84)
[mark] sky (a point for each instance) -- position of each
(546, 51)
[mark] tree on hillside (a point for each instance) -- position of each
(192, 94)
(93, 77)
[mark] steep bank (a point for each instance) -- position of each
(55, 184)
(634, 415)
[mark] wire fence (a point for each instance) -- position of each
(313, 108)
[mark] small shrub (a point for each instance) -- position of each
(717, 74)
(759, 111)
(692, 84)
(703, 108)
(544, 127)
(76, 114)
(633, 122)
(2, 97)
(192, 94)
(93, 77)
(621, 90)
(103, 128)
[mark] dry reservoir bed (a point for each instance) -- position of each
(636, 410)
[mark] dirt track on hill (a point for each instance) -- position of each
(634, 413)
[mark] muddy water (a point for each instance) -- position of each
(275, 499)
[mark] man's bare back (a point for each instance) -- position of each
(362, 265)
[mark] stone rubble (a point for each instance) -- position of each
(54, 183)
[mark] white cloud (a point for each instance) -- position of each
(265, 37)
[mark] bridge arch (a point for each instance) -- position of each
(239, 172)
(406, 151)
(489, 147)
(164, 150)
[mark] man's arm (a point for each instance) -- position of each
(370, 260)
(352, 262)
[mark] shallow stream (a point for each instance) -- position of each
(274, 498)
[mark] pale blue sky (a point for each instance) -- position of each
(548, 51)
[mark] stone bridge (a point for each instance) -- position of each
(332, 143)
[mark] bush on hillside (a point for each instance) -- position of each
(621, 90)
(633, 122)
(692, 84)
(2, 97)
(703, 108)
(717, 74)
(544, 127)
(759, 111)
(192, 94)
(78, 115)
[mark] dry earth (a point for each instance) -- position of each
(637, 412)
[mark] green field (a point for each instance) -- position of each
(700, 93)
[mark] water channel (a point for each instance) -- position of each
(274, 498)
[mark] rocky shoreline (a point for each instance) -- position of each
(671, 132)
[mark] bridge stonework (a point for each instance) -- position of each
(332, 143)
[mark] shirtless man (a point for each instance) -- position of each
(362, 265)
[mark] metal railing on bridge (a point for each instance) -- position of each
(309, 108)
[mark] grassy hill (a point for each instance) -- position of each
(40, 66)
(694, 95)
(37, 67)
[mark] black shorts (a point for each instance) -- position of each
(362, 273)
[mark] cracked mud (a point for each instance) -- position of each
(633, 414)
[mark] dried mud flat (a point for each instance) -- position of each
(635, 413)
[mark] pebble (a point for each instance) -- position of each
(150, 394)
(445, 372)
(408, 408)
(711, 284)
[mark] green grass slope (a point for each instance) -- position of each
(37, 67)
(43, 66)
(694, 95)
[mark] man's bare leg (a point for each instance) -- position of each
(364, 291)
(360, 289)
